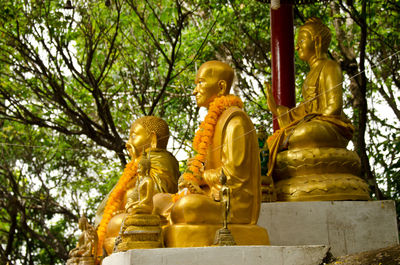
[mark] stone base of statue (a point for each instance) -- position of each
(81, 261)
(301, 234)
(184, 235)
(319, 174)
(140, 231)
(348, 227)
(237, 255)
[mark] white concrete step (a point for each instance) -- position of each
(300, 233)
(346, 226)
(235, 255)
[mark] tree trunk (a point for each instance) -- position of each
(358, 85)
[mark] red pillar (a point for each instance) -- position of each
(282, 50)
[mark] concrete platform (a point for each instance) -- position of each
(346, 226)
(236, 255)
(300, 233)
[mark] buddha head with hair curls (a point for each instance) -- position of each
(146, 132)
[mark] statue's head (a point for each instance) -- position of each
(213, 79)
(146, 132)
(144, 166)
(222, 178)
(83, 221)
(313, 39)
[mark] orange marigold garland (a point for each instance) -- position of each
(114, 202)
(204, 136)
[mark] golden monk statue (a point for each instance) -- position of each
(85, 251)
(148, 134)
(316, 165)
(225, 140)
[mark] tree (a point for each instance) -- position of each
(358, 18)
(70, 76)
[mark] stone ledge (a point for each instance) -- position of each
(346, 226)
(300, 233)
(233, 255)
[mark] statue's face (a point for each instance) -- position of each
(206, 89)
(139, 140)
(305, 46)
(82, 225)
(140, 169)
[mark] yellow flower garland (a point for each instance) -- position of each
(114, 202)
(204, 135)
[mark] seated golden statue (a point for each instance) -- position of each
(148, 134)
(141, 228)
(140, 199)
(85, 251)
(316, 165)
(225, 140)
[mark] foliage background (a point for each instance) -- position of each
(72, 82)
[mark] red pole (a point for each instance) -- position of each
(282, 50)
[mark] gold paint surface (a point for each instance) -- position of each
(234, 150)
(164, 170)
(195, 218)
(308, 155)
(140, 231)
(148, 134)
(184, 235)
(86, 249)
(81, 261)
(140, 201)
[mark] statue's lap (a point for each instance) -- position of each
(196, 209)
(316, 133)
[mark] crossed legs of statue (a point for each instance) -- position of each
(316, 133)
(196, 209)
(190, 209)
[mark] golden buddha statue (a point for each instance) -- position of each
(85, 251)
(148, 134)
(225, 194)
(225, 141)
(140, 199)
(316, 164)
(140, 228)
(223, 237)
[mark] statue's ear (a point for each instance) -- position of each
(153, 139)
(222, 87)
(318, 45)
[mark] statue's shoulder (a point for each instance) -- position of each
(233, 112)
(331, 66)
(160, 153)
(164, 160)
(168, 155)
(234, 115)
